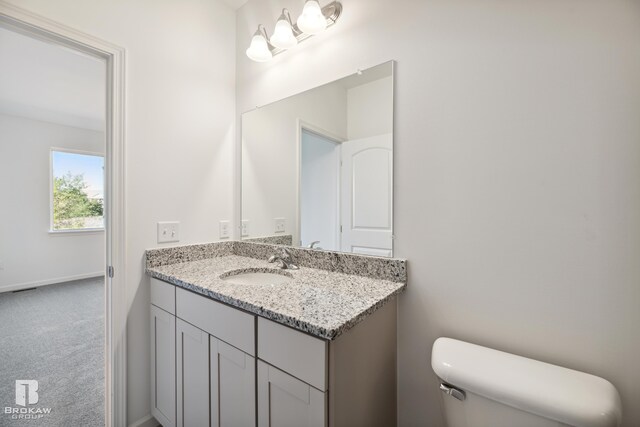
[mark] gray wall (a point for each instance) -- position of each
(517, 173)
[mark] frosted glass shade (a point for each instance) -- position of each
(259, 49)
(312, 21)
(283, 37)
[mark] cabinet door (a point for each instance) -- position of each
(285, 401)
(163, 366)
(193, 375)
(233, 392)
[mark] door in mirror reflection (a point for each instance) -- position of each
(346, 193)
(367, 195)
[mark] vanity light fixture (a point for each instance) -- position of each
(259, 49)
(282, 36)
(313, 20)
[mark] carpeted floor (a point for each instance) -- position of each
(55, 335)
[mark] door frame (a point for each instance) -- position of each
(301, 126)
(39, 27)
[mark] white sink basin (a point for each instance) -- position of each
(257, 277)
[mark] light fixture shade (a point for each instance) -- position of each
(283, 37)
(312, 21)
(259, 49)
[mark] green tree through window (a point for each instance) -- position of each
(78, 202)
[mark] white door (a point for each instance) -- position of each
(193, 375)
(163, 366)
(233, 386)
(367, 195)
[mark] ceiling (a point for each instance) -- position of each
(51, 83)
(236, 4)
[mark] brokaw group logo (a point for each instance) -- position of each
(26, 392)
(26, 395)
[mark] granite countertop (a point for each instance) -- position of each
(320, 302)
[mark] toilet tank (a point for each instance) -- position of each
(491, 388)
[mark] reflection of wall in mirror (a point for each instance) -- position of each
(269, 148)
(270, 154)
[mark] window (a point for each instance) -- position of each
(77, 190)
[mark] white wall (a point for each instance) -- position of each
(370, 109)
(270, 154)
(29, 254)
(517, 179)
(179, 132)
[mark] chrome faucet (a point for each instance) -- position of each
(313, 244)
(284, 260)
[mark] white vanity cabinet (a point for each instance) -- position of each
(214, 365)
(304, 381)
(197, 378)
(163, 356)
(292, 384)
(233, 401)
(192, 362)
(286, 401)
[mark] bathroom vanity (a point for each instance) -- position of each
(235, 341)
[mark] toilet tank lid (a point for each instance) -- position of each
(550, 391)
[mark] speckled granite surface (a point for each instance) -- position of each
(393, 269)
(340, 262)
(178, 254)
(286, 240)
(318, 301)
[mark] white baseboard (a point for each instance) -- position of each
(147, 421)
(38, 283)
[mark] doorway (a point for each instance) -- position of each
(52, 286)
(319, 191)
(30, 394)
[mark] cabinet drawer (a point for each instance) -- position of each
(163, 295)
(299, 354)
(228, 324)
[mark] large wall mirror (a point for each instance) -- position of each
(317, 167)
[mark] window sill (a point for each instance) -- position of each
(76, 231)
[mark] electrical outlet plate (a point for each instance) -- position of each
(225, 229)
(245, 227)
(168, 231)
(280, 225)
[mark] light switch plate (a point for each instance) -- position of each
(245, 227)
(225, 229)
(168, 231)
(279, 225)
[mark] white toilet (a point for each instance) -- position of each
(490, 388)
